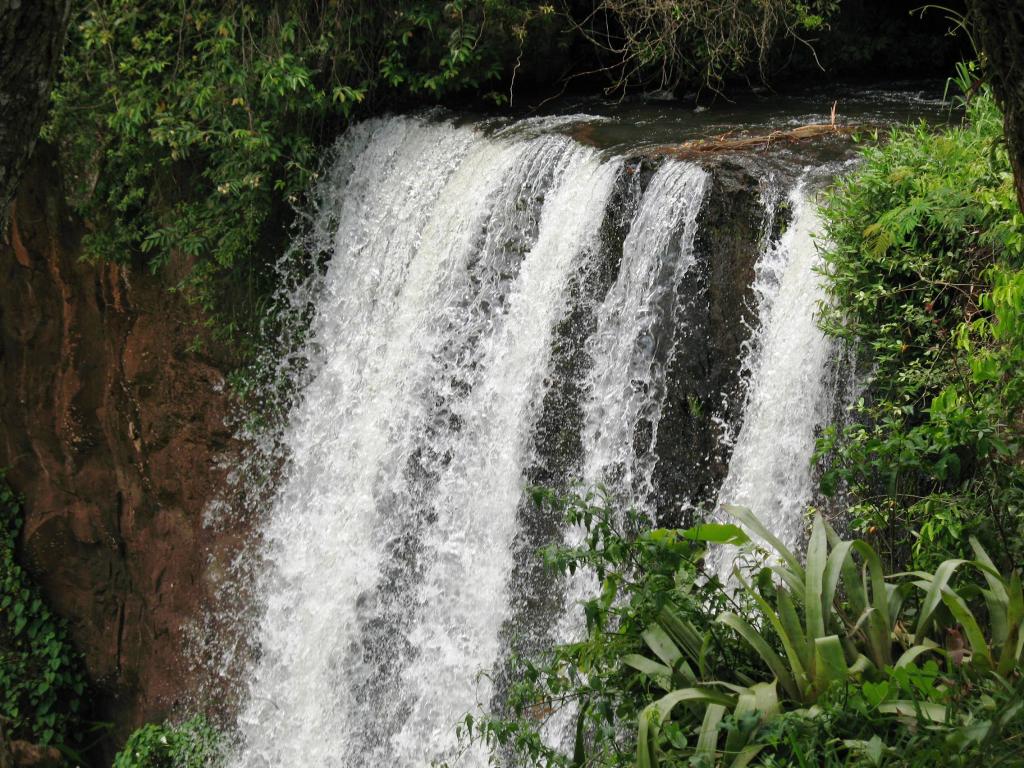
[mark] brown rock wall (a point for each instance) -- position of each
(114, 432)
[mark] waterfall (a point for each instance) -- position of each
(789, 392)
(633, 340)
(390, 537)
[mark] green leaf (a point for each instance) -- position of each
(935, 713)
(765, 651)
(579, 755)
(659, 673)
(749, 519)
(975, 637)
(933, 594)
(716, 533)
(707, 740)
(817, 558)
(875, 693)
(829, 662)
(657, 640)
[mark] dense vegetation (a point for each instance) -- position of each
(906, 653)
(41, 680)
(192, 744)
(189, 129)
(926, 284)
(835, 662)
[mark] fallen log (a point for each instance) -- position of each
(728, 143)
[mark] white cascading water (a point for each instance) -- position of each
(789, 392)
(627, 378)
(626, 381)
(390, 537)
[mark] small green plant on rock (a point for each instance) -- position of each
(192, 744)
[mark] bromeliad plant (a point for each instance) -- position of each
(825, 660)
(839, 622)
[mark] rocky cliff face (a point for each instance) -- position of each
(115, 435)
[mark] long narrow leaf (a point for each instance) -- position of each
(914, 709)
(659, 673)
(1013, 645)
(897, 595)
(933, 594)
(817, 559)
(682, 632)
(767, 699)
(910, 655)
(667, 703)
(794, 653)
(795, 636)
(879, 622)
(736, 738)
(750, 520)
(579, 753)
(716, 533)
(707, 740)
(829, 662)
(975, 637)
(661, 644)
(647, 738)
(765, 651)
(997, 596)
(744, 758)
(833, 571)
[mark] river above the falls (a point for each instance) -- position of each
(637, 123)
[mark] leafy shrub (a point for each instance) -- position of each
(192, 744)
(41, 681)
(830, 663)
(923, 271)
(191, 126)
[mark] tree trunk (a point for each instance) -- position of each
(999, 27)
(31, 38)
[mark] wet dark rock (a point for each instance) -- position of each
(714, 318)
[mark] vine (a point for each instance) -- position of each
(42, 686)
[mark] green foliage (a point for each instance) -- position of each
(41, 681)
(841, 623)
(188, 127)
(807, 664)
(192, 744)
(605, 679)
(923, 268)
